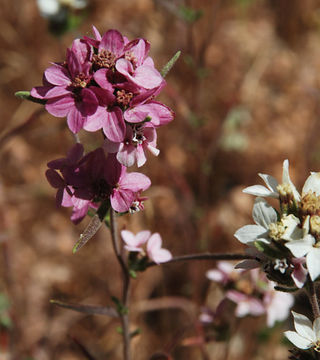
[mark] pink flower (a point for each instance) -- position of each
(66, 87)
(135, 242)
(125, 186)
(224, 273)
(154, 250)
(246, 304)
(299, 273)
(139, 138)
(277, 304)
(86, 181)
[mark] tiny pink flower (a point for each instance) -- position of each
(246, 304)
(135, 242)
(154, 250)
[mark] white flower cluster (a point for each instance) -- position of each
(288, 239)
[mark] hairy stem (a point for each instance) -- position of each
(124, 316)
(313, 298)
(207, 256)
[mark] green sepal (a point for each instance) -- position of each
(267, 250)
(26, 96)
(121, 309)
(136, 263)
(164, 71)
(133, 274)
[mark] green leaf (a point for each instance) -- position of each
(87, 309)
(26, 96)
(190, 15)
(133, 274)
(170, 64)
(93, 226)
(267, 250)
(285, 289)
(135, 333)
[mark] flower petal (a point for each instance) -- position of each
(259, 190)
(303, 326)
(301, 247)
(313, 263)
(312, 184)
(298, 340)
(57, 75)
(263, 214)
(249, 233)
(114, 126)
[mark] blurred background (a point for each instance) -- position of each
(246, 96)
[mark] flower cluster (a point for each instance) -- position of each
(252, 293)
(288, 240)
(106, 83)
(109, 83)
(153, 243)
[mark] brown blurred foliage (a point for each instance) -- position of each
(246, 96)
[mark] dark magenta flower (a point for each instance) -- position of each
(84, 182)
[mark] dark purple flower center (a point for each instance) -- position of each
(104, 59)
(101, 189)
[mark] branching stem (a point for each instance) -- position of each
(207, 256)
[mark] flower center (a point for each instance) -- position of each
(124, 97)
(138, 137)
(101, 189)
(104, 59)
(316, 346)
(310, 204)
(80, 81)
(276, 230)
(284, 189)
(281, 265)
(130, 57)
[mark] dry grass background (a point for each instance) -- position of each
(246, 96)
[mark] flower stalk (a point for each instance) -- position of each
(124, 314)
(313, 298)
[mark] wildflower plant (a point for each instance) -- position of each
(108, 83)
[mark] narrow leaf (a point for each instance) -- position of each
(285, 289)
(170, 64)
(26, 96)
(93, 226)
(87, 309)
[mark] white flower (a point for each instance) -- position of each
(272, 185)
(267, 226)
(307, 335)
(48, 8)
(263, 215)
